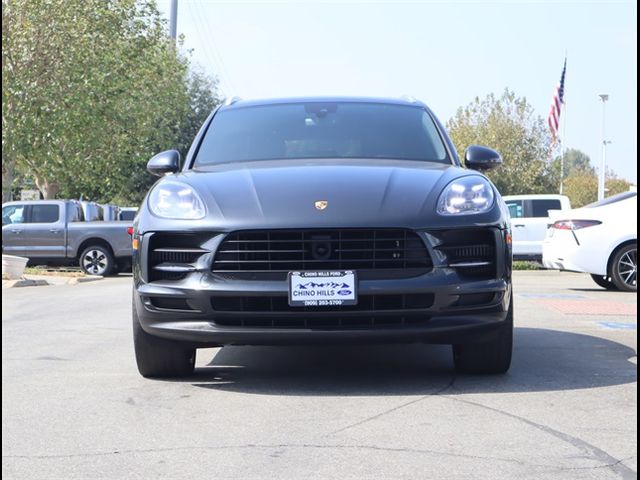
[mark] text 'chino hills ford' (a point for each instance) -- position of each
(322, 220)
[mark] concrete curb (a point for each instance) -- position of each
(90, 278)
(52, 280)
(23, 283)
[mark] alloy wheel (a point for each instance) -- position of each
(95, 262)
(628, 267)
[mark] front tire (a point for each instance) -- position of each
(604, 282)
(158, 357)
(493, 357)
(624, 268)
(97, 260)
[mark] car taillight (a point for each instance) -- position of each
(574, 224)
(135, 241)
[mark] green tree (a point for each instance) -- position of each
(202, 92)
(509, 125)
(202, 98)
(615, 185)
(575, 162)
(91, 89)
(582, 187)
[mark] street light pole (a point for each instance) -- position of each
(603, 161)
(173, 19)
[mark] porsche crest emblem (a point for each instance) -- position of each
(321, 204)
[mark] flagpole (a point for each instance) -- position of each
(564, 131)
(563, 147)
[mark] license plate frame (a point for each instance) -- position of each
(327, 288)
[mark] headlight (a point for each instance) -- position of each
(175, 200)
(466, 195)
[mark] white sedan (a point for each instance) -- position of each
(600, 239)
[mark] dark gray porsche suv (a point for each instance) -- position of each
(322, 220)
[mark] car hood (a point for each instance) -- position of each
(283, 194)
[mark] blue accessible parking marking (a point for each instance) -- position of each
(618, 325)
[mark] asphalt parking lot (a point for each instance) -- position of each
(74, 406)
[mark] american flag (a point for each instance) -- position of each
(556, 107)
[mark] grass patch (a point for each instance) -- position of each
(523, 265)
(57, 272)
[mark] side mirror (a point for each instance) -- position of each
(481, 158)
(164, 162)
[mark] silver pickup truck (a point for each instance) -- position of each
(54, 232)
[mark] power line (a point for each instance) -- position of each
(208, 59)
(216, 53)
(201, 29)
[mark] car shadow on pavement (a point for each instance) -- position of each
(544, 360)
(601, 290)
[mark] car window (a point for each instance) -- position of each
(321, 130)
(515, 208)
(44, 214)
(540, 208)
(127, 215)
(12, 214)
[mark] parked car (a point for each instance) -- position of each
(127, 213)
(321, 221)
(600, 239)
(54, 232)
(529, 220)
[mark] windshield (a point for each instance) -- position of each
(321, 130)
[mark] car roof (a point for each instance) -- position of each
(620, 197)
(535, 196)
(280, 101)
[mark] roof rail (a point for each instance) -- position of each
(409, 98)
(231, 101)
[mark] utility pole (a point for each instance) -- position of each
(603, 161)
(173, 19)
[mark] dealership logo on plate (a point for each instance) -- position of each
(322, 288)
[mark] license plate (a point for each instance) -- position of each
(322, 289)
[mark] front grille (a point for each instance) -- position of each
(172, 256)
(471, 252)
(326, 322)
(475, 299)
(350, 249)
(168, 303)
(468, 253)
(280, 303)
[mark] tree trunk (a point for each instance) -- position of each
(49, 189)
(7, 184)
(8, 170)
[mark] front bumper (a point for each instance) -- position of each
(446, 320)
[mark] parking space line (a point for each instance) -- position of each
(619, 325)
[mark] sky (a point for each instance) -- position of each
(444, 53)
